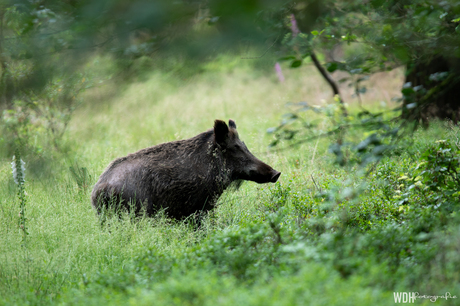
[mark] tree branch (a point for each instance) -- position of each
(330, 81)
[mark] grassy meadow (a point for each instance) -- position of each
(322, 235)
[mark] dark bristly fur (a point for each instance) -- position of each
(182, 177)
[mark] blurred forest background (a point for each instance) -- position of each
(48, 49)
(368, 146)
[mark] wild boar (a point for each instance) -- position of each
(182, 177)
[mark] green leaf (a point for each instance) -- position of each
(287, 58)
(407, 91)
(331, 67)
(314, 32)
(402, 54)
(362, 90)
(296, 63)
(271, 130)
(411, 105)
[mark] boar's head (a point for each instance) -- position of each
(238, 159)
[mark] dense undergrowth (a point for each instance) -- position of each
(322, 235)
(305, 247)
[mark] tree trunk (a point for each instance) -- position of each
(436, 83)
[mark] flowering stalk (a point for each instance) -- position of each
(295, 30)
(279, 72)
(18, 167)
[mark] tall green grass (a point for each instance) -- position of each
(66, 240)
(236, 257)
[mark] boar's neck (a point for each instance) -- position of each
(214, 161)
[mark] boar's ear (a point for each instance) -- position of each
(232, 124)
(221, 132)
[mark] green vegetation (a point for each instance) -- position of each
(367, 203)
(322, 235)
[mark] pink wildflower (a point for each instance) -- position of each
(279, 73)
(294, 28)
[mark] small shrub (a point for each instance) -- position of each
(18, 166)
(81, 177)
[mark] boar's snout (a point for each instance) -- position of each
(275, 176)
(265, 174)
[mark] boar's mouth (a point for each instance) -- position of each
(271, 177)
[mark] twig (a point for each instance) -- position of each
(257, 57)
(457, 139)
(327, 77)
(316, 186)
(314, 151)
